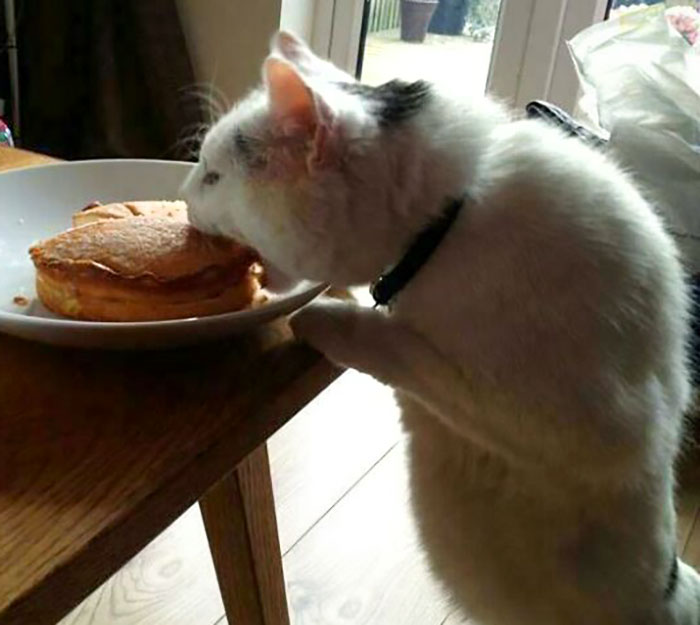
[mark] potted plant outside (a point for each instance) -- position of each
(415, 17)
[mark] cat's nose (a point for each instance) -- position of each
(199, 220)
(186, 192)
(194, 216)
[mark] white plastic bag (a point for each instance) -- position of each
(640, 74)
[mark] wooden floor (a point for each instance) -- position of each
(350, 548)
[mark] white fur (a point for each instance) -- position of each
(539, 356)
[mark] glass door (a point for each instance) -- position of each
(441, 41)
(514, 49)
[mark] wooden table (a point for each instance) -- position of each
(100, 451)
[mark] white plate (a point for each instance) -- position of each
(38, 202)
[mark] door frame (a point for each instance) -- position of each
(534, 62)
(336, 26)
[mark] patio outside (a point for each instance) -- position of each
(439, 58)
(462, 55)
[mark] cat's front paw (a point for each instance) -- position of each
(310, 323)
(348, 335)
(325, 326)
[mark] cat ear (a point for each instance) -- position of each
(291, 101)
(289, 46)
(294, 50)
(299, 110)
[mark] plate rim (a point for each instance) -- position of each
(306, 288)
(313, 290)
(91, 161)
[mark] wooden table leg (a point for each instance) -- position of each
(239, 518)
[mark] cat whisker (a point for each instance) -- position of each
(213, 101)
(189, 143)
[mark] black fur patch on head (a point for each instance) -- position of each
(395, 101)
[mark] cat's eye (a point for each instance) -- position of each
(211, 178)
(242, 143)
(249, 150)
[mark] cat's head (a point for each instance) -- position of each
(315, 170)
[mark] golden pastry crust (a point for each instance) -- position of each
(160, 209)
(90, 303)
(143, 269)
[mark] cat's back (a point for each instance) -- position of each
(560, 206)
(539, 162)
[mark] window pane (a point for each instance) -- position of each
(439, 40)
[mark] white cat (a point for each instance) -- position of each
(538, 353)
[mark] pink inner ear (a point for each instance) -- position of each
(291, 101)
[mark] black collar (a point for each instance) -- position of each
(390, 283)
